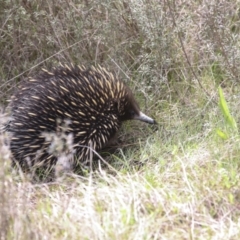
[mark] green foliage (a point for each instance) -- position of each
(229, 120)
(225, 111)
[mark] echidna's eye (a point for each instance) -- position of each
(132, 113)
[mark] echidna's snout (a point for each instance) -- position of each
(144, 118)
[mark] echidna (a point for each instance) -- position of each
(93, 100)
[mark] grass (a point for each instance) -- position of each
(187, 187)
(180, 181)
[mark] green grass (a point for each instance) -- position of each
(177, 181)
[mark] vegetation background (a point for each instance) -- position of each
(178, 182)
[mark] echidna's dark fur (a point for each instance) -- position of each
(92, 99)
